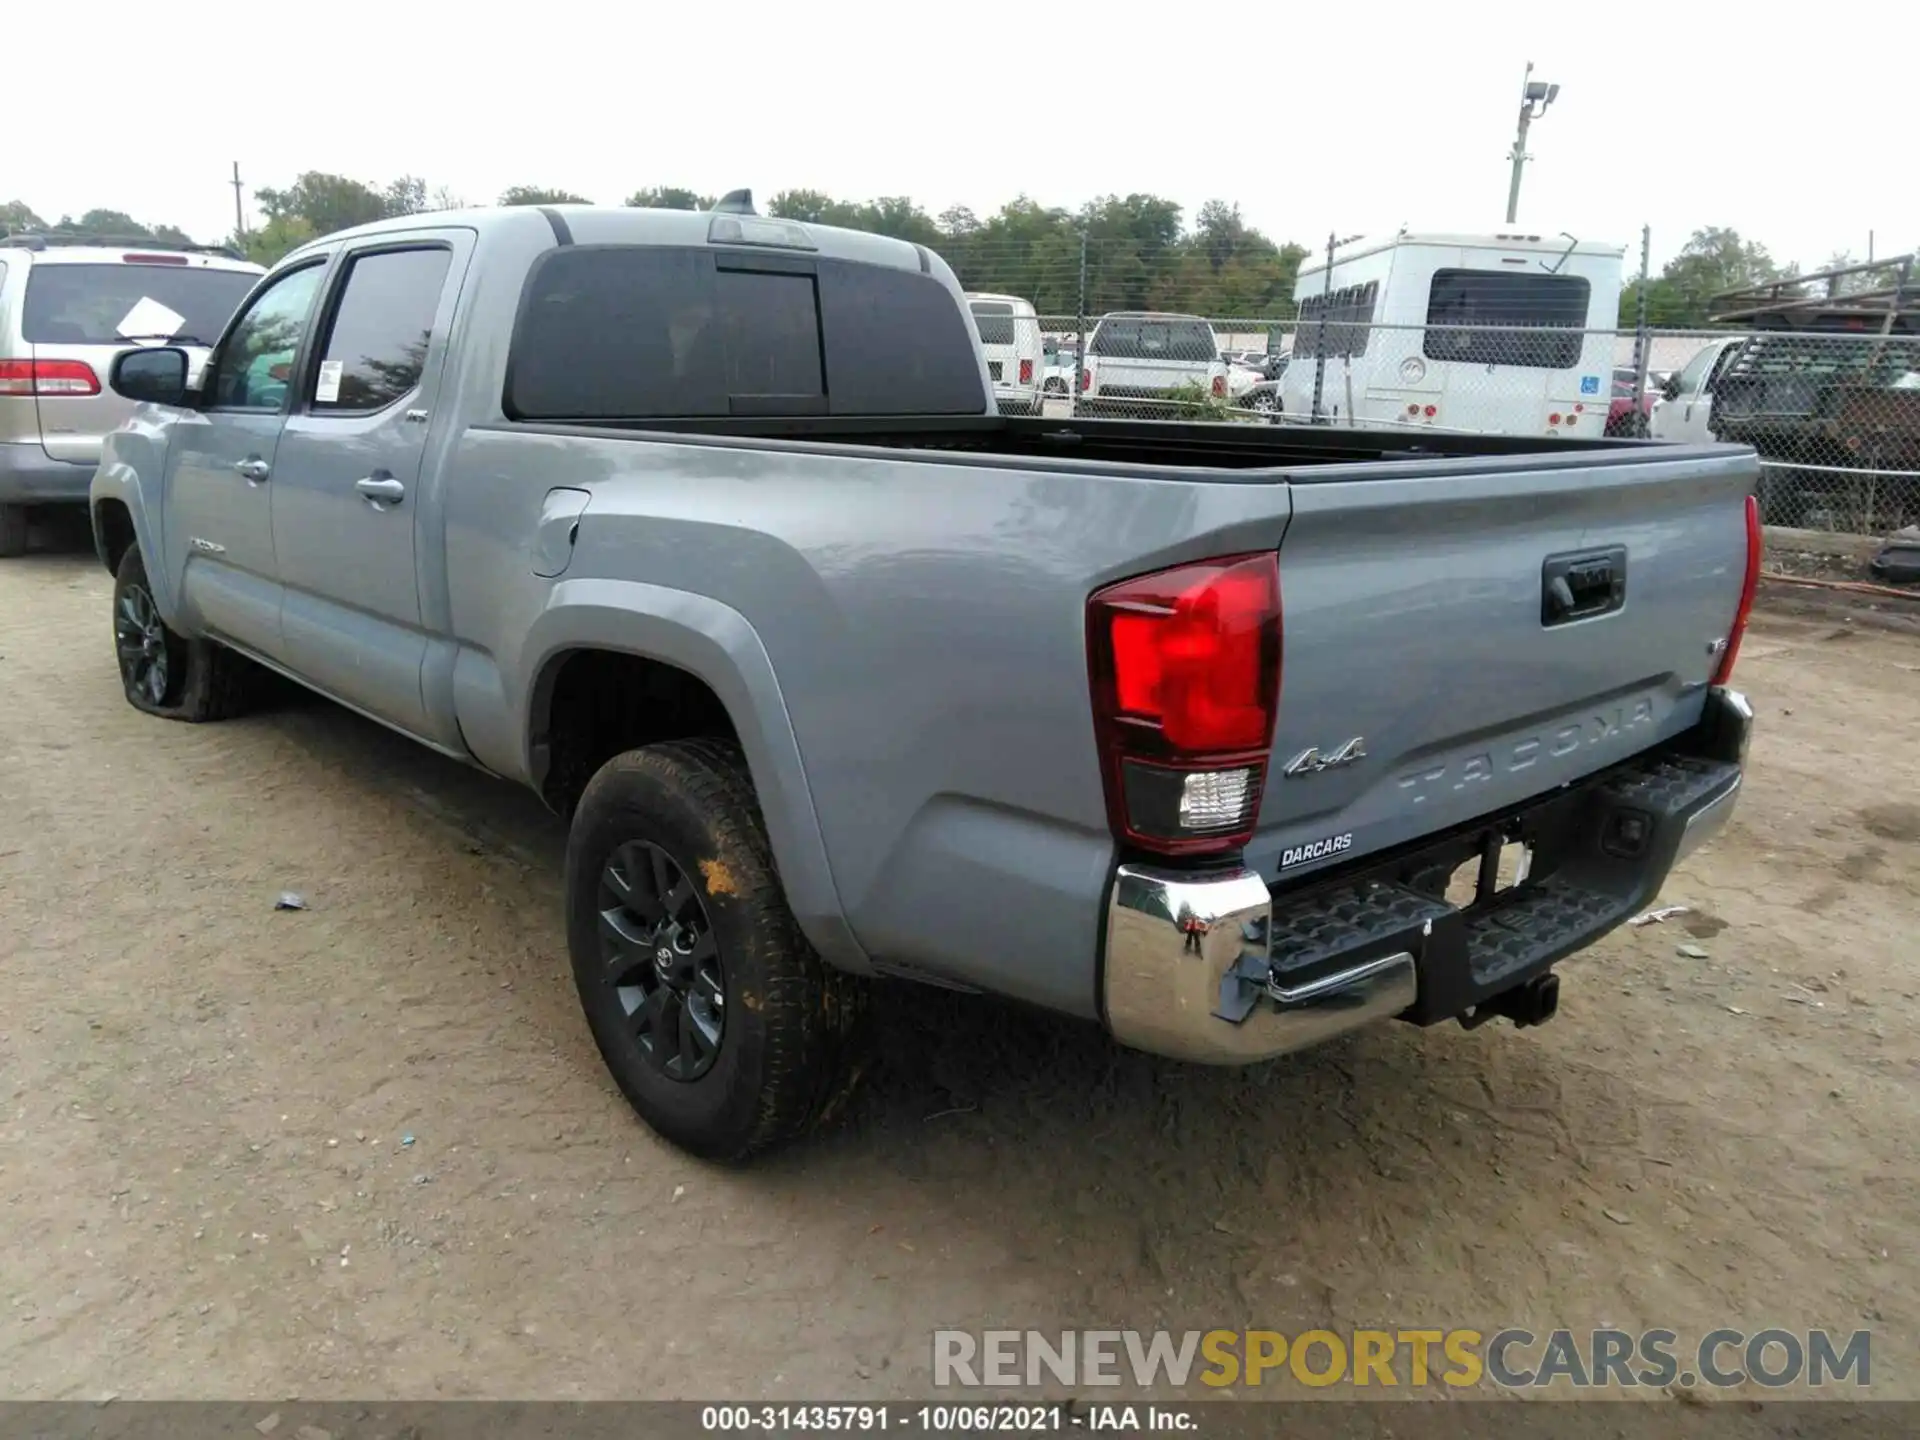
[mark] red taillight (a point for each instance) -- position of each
(1756, 547)
(1219, 385)
(1086, 380)
(154, 259)
(48, 377)
(1185, 665)
(1026, 372)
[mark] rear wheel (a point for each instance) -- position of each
(161, 671)
(723, 1029)
(13, 530)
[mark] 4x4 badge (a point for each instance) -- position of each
(1312, 762)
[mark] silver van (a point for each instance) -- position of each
(68, 304)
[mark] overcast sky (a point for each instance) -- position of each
(1354, 117)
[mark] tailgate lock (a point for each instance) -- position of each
(1582, 586)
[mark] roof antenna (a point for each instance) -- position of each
(735, 202)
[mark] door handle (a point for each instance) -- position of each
(381, 489)
(253, 469)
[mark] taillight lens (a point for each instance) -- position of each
(1219, 385)
(1086, 380)
(1185, 666)
(1026, 372)
(1756, 547)
(48, 377)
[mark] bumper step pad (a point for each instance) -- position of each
(1600, 851)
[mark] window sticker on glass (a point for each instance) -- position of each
(151, 322)
(328, 390)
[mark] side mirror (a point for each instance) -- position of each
(158, 376)
(1672, 388)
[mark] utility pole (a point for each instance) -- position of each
(239, 210)
(1533, 93)
(1080, 360)
(1640, 346)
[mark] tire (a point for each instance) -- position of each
(13, 530)
(776, 1054)
(161, 671)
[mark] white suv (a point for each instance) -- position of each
(68, 305)
(1139, 362)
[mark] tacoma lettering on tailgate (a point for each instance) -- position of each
(1509, 756)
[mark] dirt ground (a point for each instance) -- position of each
(368, 1150)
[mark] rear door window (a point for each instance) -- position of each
(1478, 317)
(376, 344)
(636, 332)
(994, 320)
(112, 304)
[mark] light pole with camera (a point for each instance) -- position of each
(1534, 100)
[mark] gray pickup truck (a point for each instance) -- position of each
(1229, 738)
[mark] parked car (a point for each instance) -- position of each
(839, 683)
(1140, 363)
(1062, 365)
(1241, 378)
(1010, 336)
(67, 304)
(1622, 408)
(1263, 397)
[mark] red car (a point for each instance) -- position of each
(1620, 421)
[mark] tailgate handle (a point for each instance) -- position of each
(1581, 586)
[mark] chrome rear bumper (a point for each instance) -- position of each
(1171, 939)
(1204, 966)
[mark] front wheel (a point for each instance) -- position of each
(163, 672)
(722, 1027)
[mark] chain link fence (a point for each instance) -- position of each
(1132, 330)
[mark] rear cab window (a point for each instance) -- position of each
(110, 304)
(661, 332)
(1475, 316)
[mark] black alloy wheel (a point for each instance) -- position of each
(140, 639)
(659, 953)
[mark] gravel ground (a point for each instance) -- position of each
(368, 1150)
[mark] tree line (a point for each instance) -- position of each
(1131, 252)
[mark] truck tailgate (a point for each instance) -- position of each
(1432, 673)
